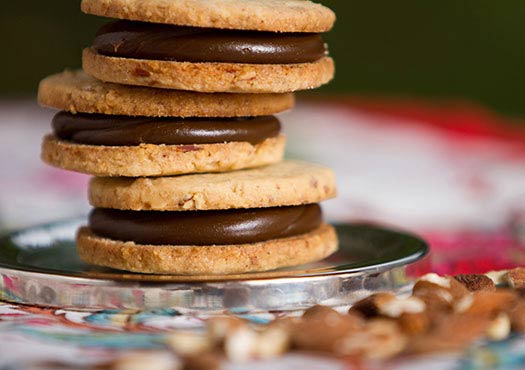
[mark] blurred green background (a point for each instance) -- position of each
(448, 49)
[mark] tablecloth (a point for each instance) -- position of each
(453, 172)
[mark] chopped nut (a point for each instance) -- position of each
(464, 304)
(396, 307)
(321, 328)
(219, 327)
(272, 342)
(435, 279)
(437, 301)
(450, 333)
(241, 344)
(414, 323)
(379, 339)
(244, 343)
(434, 282)
(499, 328)
(487, 302)
(498, 277)
(146, 360)
(285, 323)
(516, 278)
(476, 282)
(457, 290)
(323, 315)
(189, 343)
(204, 361)
(517, 317)
(369, 306)
(140, 72)
(320, 312)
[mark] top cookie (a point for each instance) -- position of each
(74, 91)
(260, 15)
(282, 184)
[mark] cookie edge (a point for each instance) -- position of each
(317, 18)
(160, 160)
(209, 77)
(181, 194)
(207, 260)
(60, 91)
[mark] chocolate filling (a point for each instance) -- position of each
(100, 129)
(141, 40)
(237, 226)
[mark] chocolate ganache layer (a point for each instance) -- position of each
(100, 129)
(153, 41)
(238, 226)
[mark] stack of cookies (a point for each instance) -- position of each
(174, 115)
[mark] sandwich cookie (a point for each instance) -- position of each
(115, 130)
(249, 220)
(213, 45)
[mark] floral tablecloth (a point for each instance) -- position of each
(454, 173)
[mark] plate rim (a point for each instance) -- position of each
(129, 278)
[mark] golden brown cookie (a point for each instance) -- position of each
(260, 15)
(198, 260)
(209, 77)
(160, 160)
(75, 91)
(281, 184)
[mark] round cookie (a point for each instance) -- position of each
(202, 260)
(75, 91)
(209, 77)
(281, 184)
(261, 15)
(160, 160)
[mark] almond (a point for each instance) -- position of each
(447, 288)
(321, 328)
(476, 282)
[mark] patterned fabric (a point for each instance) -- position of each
(455, 174)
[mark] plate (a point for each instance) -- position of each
(40, 266)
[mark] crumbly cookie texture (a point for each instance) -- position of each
(160, 160)
(75, 91)
(207, 260)
(209, 77)
(261, 15)
(281, 184)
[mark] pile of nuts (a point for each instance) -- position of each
(442, 314)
